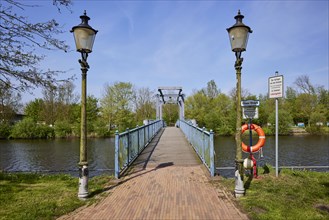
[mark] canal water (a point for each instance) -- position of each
(62, 155)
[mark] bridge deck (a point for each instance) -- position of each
(168, 149)
(167, 181)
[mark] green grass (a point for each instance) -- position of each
(37, 196)
(293, 195)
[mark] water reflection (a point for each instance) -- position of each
(304, 150)
(62, 155)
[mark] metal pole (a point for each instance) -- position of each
(276, 134)
(183, 110)
(157, 109)
(239, 187)
(276, 138)
(128, 146)
(212, 162)
(83, 163)
(250, 132)
(116, 157)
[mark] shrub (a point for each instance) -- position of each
(285, 120)
(101, 128)
(63, 129)
(225, 130)
(268, 131)
(318, 130)
(27, 128)
(5, 130)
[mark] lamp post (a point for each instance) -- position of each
(84, 36)
(238, 35)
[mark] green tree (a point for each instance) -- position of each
(211, 109)
(92, 112)
(224, 108)
(49, 110)
(285, 122)
(196, 107)
(170, 113)
(65, 98)
(34, 110)
(290, 103)
(323, 101)
(144, 104)
(305, 105)
(117, 105)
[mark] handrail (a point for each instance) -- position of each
(202, 142)
(129, 144)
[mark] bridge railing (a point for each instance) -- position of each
(202, 142)
(129, 144)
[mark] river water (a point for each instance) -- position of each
(62, 155)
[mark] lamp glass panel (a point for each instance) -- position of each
(84, 39)
(239, 38)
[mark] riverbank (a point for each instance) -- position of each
(293, 195)
(36, 196)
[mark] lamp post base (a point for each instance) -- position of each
(83, 182)
(239, 188)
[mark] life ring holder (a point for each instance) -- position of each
(261, 139)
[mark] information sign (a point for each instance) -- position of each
(250, 103)
(275, 87)
(250, 112)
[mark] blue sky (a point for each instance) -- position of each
(185, 43)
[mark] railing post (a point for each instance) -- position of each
(116, 156)
(203, 144)
(148, 134)
(128, 146)
(137, 139)
(145, 138)
(211, 151)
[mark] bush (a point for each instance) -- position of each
(225, 130)
(268, 131)
(318, 130)
(101, 128)
(285, 121)
(5, 130)
(63, 129)
(27, 128)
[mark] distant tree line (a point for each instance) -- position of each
(123, 106)
(303, 103)
(57, 114)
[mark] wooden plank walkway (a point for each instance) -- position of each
(167, 181)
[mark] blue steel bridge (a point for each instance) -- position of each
(130, 144)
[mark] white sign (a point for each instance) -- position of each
(250, 112)
(250, 103)
(275, 87)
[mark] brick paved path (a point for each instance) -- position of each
(164, 186)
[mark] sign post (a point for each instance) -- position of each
(250, 111)
(275, 90)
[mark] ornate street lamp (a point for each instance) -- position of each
(238, 35)
(84, 36)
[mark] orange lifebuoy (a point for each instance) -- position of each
(261, 138)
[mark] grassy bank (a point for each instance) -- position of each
(36, 196)
(293, 195)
